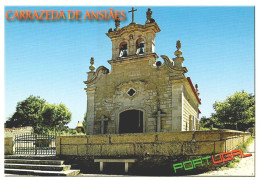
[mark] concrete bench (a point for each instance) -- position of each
(126, 161)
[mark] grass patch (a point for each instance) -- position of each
(232, 163)
(243, 146)
(223, 168)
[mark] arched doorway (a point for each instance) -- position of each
(131, 121)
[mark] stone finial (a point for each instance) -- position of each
(178, 60)
(92, 68)
(178, 45)
(149, 16)
(196, 86)
(197, 90)
(178, 53)
(117, 23)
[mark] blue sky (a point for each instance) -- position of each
(50, 59)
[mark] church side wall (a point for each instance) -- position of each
(189, 109)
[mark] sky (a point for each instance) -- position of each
(50, 59)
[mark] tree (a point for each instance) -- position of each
(236, 112)
(28, 113)
(55, 117)
(207, 122)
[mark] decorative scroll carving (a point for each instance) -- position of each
(100, 70)
(170, 65)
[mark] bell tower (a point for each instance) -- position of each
(134, 40)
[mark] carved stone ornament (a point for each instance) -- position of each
(92, 67)
(100, 70)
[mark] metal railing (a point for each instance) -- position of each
(36, 144)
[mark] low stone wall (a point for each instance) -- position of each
(188, 143)
(9, 148)
(11, 132)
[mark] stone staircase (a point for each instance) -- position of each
(37, 166)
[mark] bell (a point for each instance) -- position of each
(124, 46)
(141, 50)
(141, 45)
(124, 53)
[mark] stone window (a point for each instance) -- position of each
(140, 46)
(123, 51)
(131, 92)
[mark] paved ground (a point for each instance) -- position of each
(103, 175)
(243, 168)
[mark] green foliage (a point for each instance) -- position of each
(28, 112)
(55, 117)
(243, 146)
(236, 112)
(69, 132)
(43, 117)
(207, 123)
(207, 129)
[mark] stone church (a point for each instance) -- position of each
(140, 94)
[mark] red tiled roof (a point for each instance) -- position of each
(193, 89)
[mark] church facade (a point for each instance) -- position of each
(140, 94)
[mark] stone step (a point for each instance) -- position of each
(38, 157)
(38, 167)
(34, 161)
(41, 173)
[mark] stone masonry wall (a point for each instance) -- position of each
(153, 92)
(188, 143)
(11, 132)
(9, 147)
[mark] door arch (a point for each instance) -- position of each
(131, 121)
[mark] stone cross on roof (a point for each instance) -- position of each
(102, 120)
(132, 11)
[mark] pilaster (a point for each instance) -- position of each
(177, 94)
(90, 109)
